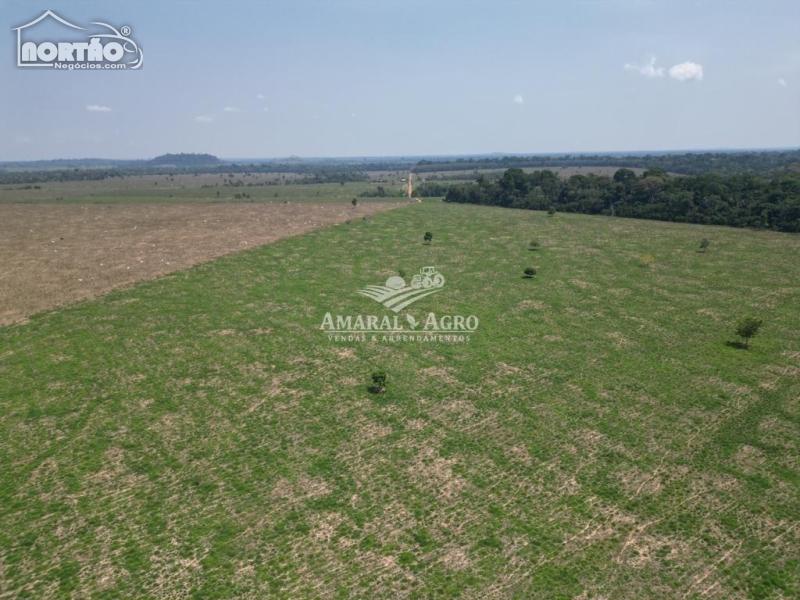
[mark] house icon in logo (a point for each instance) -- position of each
(105, 49)
(19, 29)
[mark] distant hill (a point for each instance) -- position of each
(185, 160)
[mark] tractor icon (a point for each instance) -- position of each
(427, 278)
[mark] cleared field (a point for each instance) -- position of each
(186, 188)
(198, 435)
(53, 255)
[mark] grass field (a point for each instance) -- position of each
(189, 188)
(199, 436)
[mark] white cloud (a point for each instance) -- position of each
(204, 119)
(518, 99)
(231, 109)
(687, 70)
(260, 96)
(782, 82)
(266, 109)
(648, 70)
(98, 108)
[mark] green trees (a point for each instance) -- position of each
(747, 328)
(428, 237)
(704, 244)
(648, 187)
(725, 163)
(624, 176)
(530, 272)
(737, 201)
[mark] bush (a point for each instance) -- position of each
(530, 272)
(747, 328)
(646, 260)
(378, 382)
(428, 238)
(704, 244)
(535, 245)
(551, 211)
(354, 201)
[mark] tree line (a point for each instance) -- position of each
(743, 200)
(311, 174)
(690, 163)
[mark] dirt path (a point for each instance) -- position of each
(52, 255)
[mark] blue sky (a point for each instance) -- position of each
(359, 78)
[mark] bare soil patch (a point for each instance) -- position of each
(52, 255)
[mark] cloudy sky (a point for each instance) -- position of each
(383, 77)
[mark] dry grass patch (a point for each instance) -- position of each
(53, 255)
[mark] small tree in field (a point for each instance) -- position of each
(704, 244)
(534, 245)
(378, 382)
(530, 272)
(747, 328)
(354, 201)
(551, 211)
(428, 238)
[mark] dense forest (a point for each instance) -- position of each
(692, 163)
(744, 200)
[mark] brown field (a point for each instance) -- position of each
(52, 255)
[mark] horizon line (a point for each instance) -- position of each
(374, 157)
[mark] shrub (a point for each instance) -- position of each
(530, 272)
(551, 211)
(535, 245)
(646, 260)
(428, 238)
(378, 382)
(354, 201)
(747, 328)
(704, 244)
